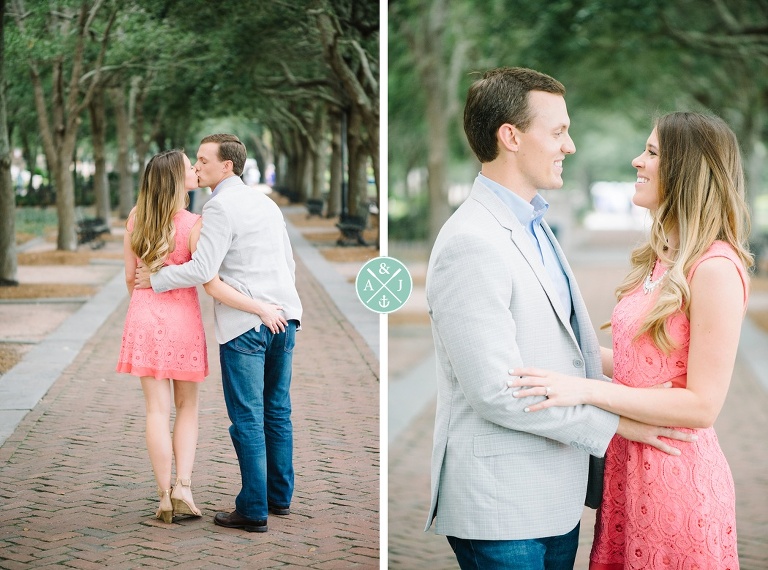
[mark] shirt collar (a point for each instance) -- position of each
(540, 207)
(527, 213)
(227, 182)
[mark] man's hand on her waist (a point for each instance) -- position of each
(142, 277)
(648, 434)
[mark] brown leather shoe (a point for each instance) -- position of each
(282, 511)
(236, 520)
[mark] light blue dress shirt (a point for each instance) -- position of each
(530, 216)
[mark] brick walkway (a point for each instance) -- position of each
(741, 428)
(76, 486)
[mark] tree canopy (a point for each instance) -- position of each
(119, 79)
(622, 62)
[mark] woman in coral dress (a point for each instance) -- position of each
(163, 339)
(676, 327)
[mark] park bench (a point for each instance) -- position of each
(315, 207)
(292, 195)
(90, 230)
(351, 228)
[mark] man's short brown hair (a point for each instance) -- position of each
(500, 97)
(230, 148)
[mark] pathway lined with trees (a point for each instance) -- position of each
(111, 82)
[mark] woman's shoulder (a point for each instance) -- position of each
(720, 249)
(187, 215)
(725, 250)
(185, 218)
(130, 222)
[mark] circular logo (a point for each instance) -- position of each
(383, 284)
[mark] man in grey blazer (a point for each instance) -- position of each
(508, 488)
(244, 240)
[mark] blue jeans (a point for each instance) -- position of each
(256, 377)
(549, 553)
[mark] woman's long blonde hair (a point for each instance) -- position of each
(701, 196)
(160, 195)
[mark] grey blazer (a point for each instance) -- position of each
(244, 240)
(499, 473)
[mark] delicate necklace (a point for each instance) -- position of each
(649, 285)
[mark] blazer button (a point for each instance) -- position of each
(578, 363)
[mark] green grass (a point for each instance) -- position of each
(36, 221)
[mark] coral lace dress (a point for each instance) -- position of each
(163, 335)
(660, 511)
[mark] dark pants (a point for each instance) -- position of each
(550, 553)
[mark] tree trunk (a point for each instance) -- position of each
(123, 134)
(264, 156)
(318, 156)
(433, 76)
(334, 191)
(358, 160)
(98, 115)
(7, 193)
(59, 147)
(141, 139)
(65, 201)
(281, 159)
(299, 166)
(294, 165)
(30, 157)
(439, 80)
(754, 159)
(261, 163)
(373, 154)
(60, 151)
(308, 158)
(437, 178)
(362, 90)
(373, 151)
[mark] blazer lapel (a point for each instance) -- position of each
(566, 269)
(520, 238)
(582, 325)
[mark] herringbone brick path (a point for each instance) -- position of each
(76, 486)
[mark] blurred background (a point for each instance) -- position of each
(622, 62)
(91, 89)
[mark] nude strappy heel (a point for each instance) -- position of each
(165, 512)
(182, 506)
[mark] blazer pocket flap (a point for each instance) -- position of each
(508, 442)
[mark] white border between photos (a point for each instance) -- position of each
(383, 319)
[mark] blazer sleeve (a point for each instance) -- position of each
(212, 246)
(470, 291)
